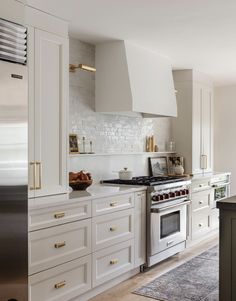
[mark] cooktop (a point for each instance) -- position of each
(146, 180)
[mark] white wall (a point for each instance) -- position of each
(225, 131)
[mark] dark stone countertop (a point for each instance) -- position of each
(227, 204)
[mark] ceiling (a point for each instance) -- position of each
(198, 34)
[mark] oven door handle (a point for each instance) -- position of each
(157, 210)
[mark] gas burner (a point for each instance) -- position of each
(146, 180)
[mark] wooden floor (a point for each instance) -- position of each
(124, 290)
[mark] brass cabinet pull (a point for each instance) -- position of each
(60, 245)
(114, 261)
(112, 229)
(113, 204)
(32, 164)
(60, 284)
(59, 215)
(200, 202)
(39, 179)
(200, 225)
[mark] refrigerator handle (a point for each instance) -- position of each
(32, 165)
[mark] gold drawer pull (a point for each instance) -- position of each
(112, 229)
(60, 284)
(60, 245)
(200, 202)
(59, 215)
(114, 261)
(113, 204)
(200, 225)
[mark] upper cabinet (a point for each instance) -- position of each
(48, 98)
(193, 129)
(130, 78)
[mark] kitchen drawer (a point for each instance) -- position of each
(56, 215)
(63, 282)
(199, 185)
(200, 222)
(215, 215)
(56, 245)
(112, 262)
(112, 228)
(112, 204)
(201, 200)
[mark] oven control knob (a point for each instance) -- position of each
(177, 193)
(155, 198)
(182, 192)
(166, 196)
(172, 194)
(186, 191)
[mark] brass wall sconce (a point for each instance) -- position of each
(73, 68)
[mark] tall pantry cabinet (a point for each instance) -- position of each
(48, 98)
(193, 128)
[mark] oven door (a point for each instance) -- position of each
(168, 227)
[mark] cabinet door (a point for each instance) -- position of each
(207, 127)
(50, 107)
(197, 128)
(140, 229)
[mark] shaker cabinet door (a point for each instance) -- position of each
(50, 85)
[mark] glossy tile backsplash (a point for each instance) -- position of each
(109, 133)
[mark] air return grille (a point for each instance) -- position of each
(13, 42)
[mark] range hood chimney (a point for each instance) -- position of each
(131, 79)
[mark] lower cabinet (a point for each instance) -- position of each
(56, 245)
(74, 248)
(112, 262)
(63, 282)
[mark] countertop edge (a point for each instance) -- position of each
(66, 199)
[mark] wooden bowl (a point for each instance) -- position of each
(80, 185)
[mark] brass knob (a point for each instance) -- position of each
(59, 215)
(112, 229)
(60, 284)
(114, 261)
(113, 204)
(60, 245)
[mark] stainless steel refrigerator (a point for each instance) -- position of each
(13, 163)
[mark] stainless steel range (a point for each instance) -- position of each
(168, 202)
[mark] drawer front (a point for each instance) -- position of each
(112, 262)
(56, 215)
(56, 245)
(112, 228)
(112, 204)
(201, 200)
(200, 185)
(62, 283)
(215, 215)
(200, 223)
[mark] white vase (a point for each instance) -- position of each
(179, 170)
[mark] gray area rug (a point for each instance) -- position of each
(195, 280)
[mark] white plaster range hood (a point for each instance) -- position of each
(132, 79)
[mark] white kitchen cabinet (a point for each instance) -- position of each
(112, 262)
(140, 229)
(193, 128)
(63, 282)
(53, 246)
(48, 96)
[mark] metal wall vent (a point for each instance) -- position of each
(13, 42)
